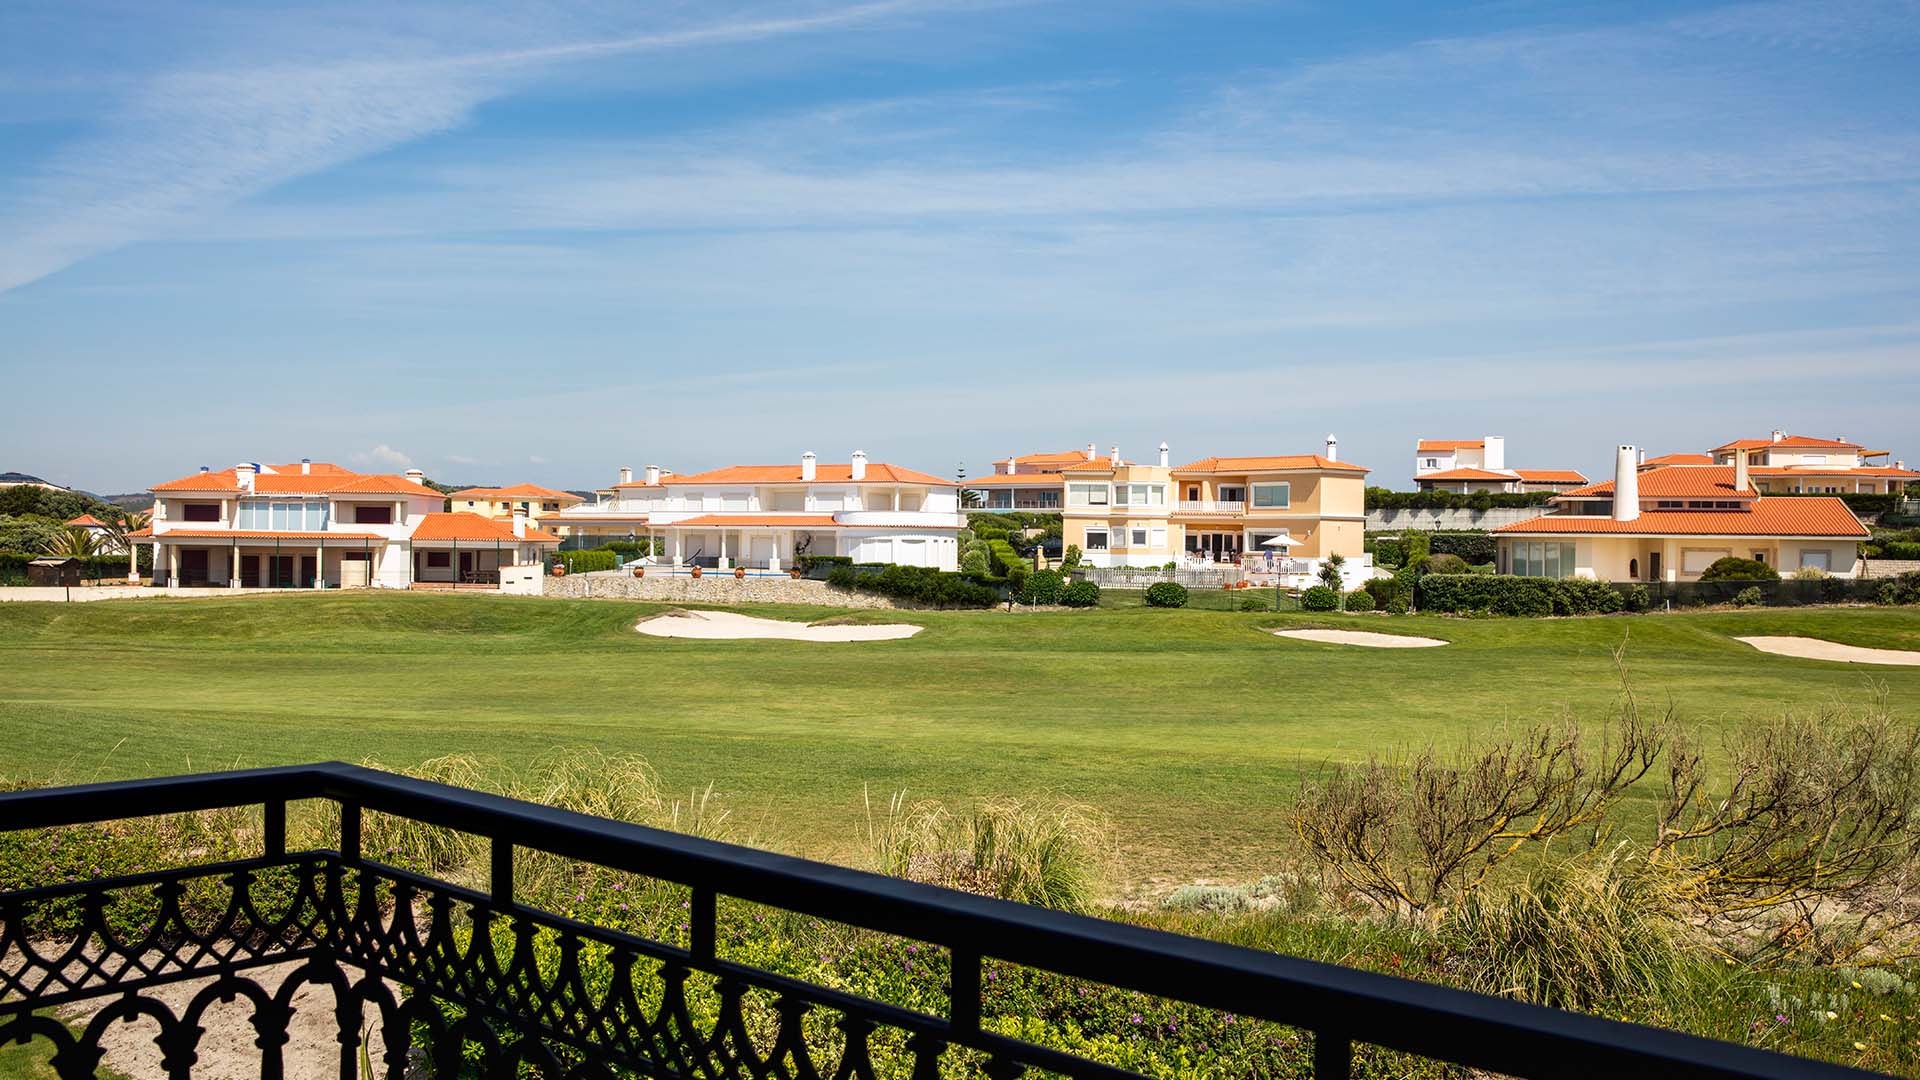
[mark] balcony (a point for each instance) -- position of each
(424, 977)
(1210, 506)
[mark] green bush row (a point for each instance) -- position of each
(820, 564)
(1384, 499)
(921, 584)
(1473, 548)
(581, 562)
(13, 565)
(1507, 595)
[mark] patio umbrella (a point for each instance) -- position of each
(1279, 541)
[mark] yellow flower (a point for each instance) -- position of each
(1857, 986)
(1831, 1015)
(1859, 1046)
(1887, 1018)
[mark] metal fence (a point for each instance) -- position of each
(363, 929)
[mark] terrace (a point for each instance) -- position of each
(389, 944)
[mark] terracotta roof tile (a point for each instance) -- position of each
(1552, 476)
(1791, 442)
(1710, 482)
(1450, 444)
(877, 473)
(1817, 517)
(1468, 474)
(1273, 463)
(516, 491)
(461, 525)
(1677, 459)
(87, 521)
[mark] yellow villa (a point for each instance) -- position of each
(534, 501)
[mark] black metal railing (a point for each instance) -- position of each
(391, 945)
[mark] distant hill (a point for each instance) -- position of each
(27, 478)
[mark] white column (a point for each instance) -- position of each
(896, 499)
(233, 567)
(173, 567)
(320, 566)
(133, 561)
(678, 547)
(723, 549)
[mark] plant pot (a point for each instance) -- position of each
(739, 573)
(696, 571)
(639, 571)
(794, 574)
(559, 570)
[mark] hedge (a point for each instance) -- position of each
(1166, 594)
(922, 584)
(807, 564)
(13, 565)
(1477, 548)
(1319, 598)
(1734, 568)
(1080, 594)
(1503, 594)
(1384, 499)
(1900, 549)
(1041, 587)
(1005, 561)
(581, 562)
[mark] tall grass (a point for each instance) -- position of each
(1054, 853)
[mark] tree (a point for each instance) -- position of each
(74, 542)
(121, 525)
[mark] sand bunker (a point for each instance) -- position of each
(1807, 648)
(730, 626)
(1361, 637)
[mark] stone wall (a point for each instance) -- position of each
(1443, 520)
(1888, 568)
(708, 589)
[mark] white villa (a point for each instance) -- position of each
(1469, 465)
(759, 517)
(1804, 463)
(315, 525)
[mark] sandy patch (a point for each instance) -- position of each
(732, 626)
(1807, 648)
(1361, 637)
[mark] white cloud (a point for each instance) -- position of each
(384, 455)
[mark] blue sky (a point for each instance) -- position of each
(541, 241)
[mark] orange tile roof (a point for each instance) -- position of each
(324, 479)
(1280, 463)
(877, 473)
(1677, 459)
(516, 491)
(1062, 458)
(1468, 474)
(259, 534)
(781, 521)
(1031, 479)
(461, 525)
(1814, 517)
(1099, 464)
(1450, 444)
(1791, 442)
(1831, 470)
(88, 521)
(1552, 476)
(1700, 482)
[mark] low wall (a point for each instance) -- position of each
(1442, 520)
(74, 594)
(708, 589)
(1888, 568)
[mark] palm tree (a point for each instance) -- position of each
(73, 542)
(121, 525)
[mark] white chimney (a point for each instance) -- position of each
(858, 468)
(1333, 448)
(1494, 455)
(417, 477)
(1900, 465)
(1626, 485)
(306, 466)
(807, 461)
(1012, 466)
(1091, 452)
(653, 475)
(1643, 455)
(243, 474)
(1164, 451)
(626, 474)
(519, 522)
(1740, 475)
(1113, 456)
(1778, 434)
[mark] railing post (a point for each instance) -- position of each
(700, 926)
(273, 836)
(502, 873)
(350, 833)
(963, 993)
(1332, 1056)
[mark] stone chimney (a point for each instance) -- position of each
(1626, 485)
(1333, 447)
(1741, 478)
(807, 465)
(306, 466)
(1164, 451)
(1091, 452)
(519, 522)
(653, 475)
(626, 474)
(858, 468)
(1778, 434)
(417, 477)
(243, 474)
(1493, 455)
(1113, 456)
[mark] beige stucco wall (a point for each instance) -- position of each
(1626, 558)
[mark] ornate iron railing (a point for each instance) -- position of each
(390, 945)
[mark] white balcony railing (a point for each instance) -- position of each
(1211, 506)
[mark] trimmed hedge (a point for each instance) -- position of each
(1080, 594)
(921, 584)
(1734, 568)
(1041, 587)
(582, 562)
(1475, 548)
(807, 564)
(1319, 598)
(1166, 594)
(1005, 561)
(1384, 499)
(1503, 594)
(1900, 549)
(1359, 600)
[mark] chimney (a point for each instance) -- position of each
(626, 474)
(1164, 451)
(1113, 456)
(306, 466)
(1778, 434)
(1091, 452)
(243, 474)
(204, 469)
(1626, 485)
(1333, 447)
(1012, 465)
(417, 477)
(807, 461)
(1900, 465)
(1493, 456)
(1643, 455)
(653, 475)
(519, 522)
(858, 467)
(1741, 481)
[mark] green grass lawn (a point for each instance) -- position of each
(1191, 728)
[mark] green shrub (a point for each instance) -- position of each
(1751, 596)
(1384, 499)
(1254, 603)
(1904, 589)
(582, 562)
(922, 584)
(1446, 564)
(807, 564)
(974, 562)
(1080, 594)
(1070, 559)
(1900, 549)
(1388, 552)
(1359, 600)
(1639, 599)
(1041, 587)
(1319, 598)
(1166, 594)
(1398, 605)
(1734, 568)
(1006, 561)
(1475, 548)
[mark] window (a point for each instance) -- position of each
(1120, 496)
(439, 560)
(1096, 539)
(1159, 538)
(202, 512)
(1272, 496)
(694, 500)
(1813, 459)
(1430, 463)
(1139, 538)
(373, 515)
(1086, 495)
(1534, 558)
(1232, 493)
(1818, 558)
(1668, 504)
(733, 500)
(1193, 493)
(548, 507)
